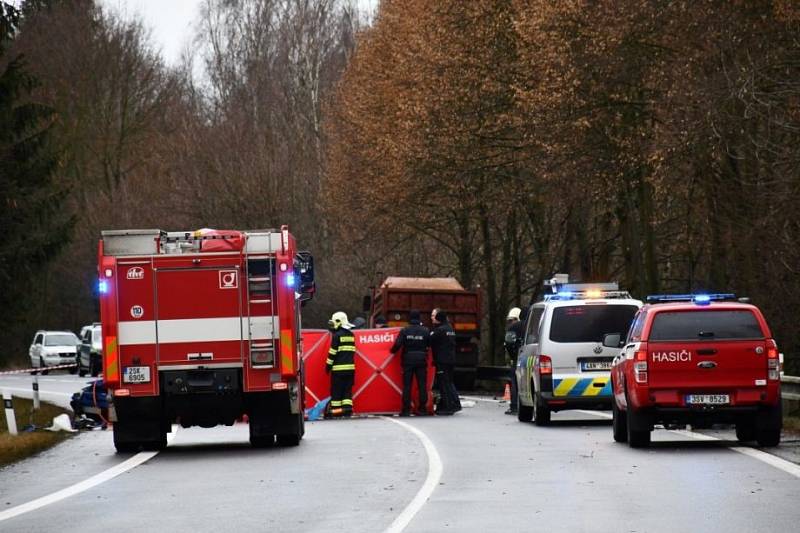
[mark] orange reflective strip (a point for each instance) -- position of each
(111, 366)
(287, 363)
(465, 326)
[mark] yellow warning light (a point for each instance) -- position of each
(594, 293)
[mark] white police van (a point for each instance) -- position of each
(562, 363)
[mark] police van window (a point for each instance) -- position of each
(532, 334)
(705, 325)
(588, 323)
(635, 333)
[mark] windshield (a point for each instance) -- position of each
(705, 325)
(96, 337)
(61, 339)
(588, 323)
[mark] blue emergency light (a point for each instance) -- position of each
(699, 299)
(290, 280)
(102, 286)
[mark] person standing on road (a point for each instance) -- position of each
(414, 340)
(341, 365)
(443, 346)
(515, 331)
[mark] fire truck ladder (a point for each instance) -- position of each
(260, 271)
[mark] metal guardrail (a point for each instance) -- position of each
(790, 388)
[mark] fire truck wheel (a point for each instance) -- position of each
(262, 441)
(155, 445)
(289, 440)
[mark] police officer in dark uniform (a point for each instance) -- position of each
(443, 346)
(341, 365)
(414, 340)
(515, 332)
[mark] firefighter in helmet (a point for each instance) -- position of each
(341, 365)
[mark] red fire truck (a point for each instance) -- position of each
(201, 328)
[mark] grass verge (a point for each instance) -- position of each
(27, 443)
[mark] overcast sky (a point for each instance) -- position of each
(171, 21)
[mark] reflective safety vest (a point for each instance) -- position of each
(341, 356)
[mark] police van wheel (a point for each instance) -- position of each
(619, 423)
(524, 412)
(541, 413)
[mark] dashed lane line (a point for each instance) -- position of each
(772, 460)
(431, 481)
(84, 485)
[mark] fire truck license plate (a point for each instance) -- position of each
(708, 399)
(136, 374)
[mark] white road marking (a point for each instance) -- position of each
(29, 390)
(431, 481)
(84, 485)
(764, 457)
(480, 399)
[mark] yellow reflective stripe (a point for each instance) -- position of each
(347, 339)
(347, 348)
(111, 370)
(565, 386)
(347, 402)
(328, 361)
(592, 390)
(351, 366)
(332, 351)
(336, 403)
(287, 365)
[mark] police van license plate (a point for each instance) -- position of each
(708, 399)
(596, 365)
(136, 374)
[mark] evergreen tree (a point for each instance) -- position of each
(32, 224)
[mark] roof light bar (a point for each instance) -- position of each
(699, 299)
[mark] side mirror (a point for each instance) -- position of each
(612, 340)
(304, 265)
(359, 323)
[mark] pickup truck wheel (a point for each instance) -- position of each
(619, 423)
(541, 413)
(745, 431)
(524, 412)
(768, 426)
(636, 438)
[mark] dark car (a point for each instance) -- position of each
(90, 351)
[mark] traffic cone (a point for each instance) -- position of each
(507, 393)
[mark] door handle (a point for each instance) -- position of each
(707, 364)
(707, 351)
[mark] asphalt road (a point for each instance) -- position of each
(374, 474)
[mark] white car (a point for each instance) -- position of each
(562, 363)
(53, 348)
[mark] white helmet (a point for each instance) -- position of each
(514, 313)
(339, 319)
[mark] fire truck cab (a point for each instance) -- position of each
(201, 328)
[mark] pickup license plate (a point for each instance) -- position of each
(596, 365)
(708, 399)
(136, 374)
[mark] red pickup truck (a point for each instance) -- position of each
(696, 359)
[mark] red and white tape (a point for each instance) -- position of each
(40, 369)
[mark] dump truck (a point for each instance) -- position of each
(201, 328)
(396, 296)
